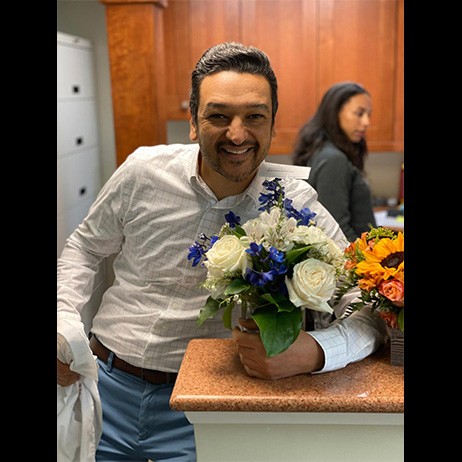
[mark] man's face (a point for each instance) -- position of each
(234, 127)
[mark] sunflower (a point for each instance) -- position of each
(375, 264)
(382, 261)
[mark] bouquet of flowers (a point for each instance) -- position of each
(273, 267)
(375, 264)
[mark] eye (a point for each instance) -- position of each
(216, 116)
(256, 118)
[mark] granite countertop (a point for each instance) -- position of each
(211, 378)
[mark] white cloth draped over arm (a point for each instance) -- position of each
(79, 421)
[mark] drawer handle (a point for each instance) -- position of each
(79, 141)
(75, 89)
(82, 190)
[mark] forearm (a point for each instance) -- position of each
(350, 339)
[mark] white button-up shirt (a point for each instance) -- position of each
(149, 213)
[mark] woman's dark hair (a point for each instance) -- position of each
(232, 56)
(324, 125)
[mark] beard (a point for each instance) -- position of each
(232, 169)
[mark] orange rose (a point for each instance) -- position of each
(390, 318)
(393, 290)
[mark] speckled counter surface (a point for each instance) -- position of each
(211, 378)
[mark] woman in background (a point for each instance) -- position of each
(333, 144)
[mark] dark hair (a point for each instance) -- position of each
(232, 56)
(324, 125)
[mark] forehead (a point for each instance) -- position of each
(232, 88)
(362, 101)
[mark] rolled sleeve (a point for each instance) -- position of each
(350, 339)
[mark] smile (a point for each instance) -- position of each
(237, 151)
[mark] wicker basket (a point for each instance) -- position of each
(396, 347)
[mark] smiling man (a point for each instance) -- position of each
(147, 214)
(234, 127)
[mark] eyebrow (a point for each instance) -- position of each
(224, 106)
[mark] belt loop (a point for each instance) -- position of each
(109, 361)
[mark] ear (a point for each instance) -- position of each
(192, 130)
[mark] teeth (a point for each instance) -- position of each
(242, 151)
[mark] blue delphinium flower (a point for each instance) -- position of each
(274, 197)
(198, 249)
(233, 219)
(304, 217)
(196, 252)
(260, 278)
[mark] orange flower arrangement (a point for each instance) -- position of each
(375, 264)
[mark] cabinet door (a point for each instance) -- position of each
(74, 71)
(68, 220)
(358, 41)
(77, 178)
(286, 32)
(77, 126)
(190, 28)
(311, 44)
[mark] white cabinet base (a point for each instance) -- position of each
(298, 437)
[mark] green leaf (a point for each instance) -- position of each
(227, 315)
(401, 320)
(280, 301)
(236, 286)
(208, 311)
(293, 254)
(278, 329)
(239, 231)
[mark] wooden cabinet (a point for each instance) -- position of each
(362, 40)
(311, 44)
(190, 28)
(136, 54)
(287, 32)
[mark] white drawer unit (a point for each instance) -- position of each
(74, 67)
(77, 126)
(78, 178)
(69, 220)
(78, 156)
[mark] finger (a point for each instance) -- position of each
(253, 373)
(248, 323)
(66, 376)
(245, 339)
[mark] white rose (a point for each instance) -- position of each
(227, 255)
(312, 285)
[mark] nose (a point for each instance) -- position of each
(236, 131)
(366, 119)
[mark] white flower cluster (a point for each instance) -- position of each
(313, 280)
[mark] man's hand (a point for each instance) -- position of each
(303, 356)
(66, 377)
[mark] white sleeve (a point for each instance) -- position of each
(350, 339)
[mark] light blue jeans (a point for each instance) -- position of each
(138, 423)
